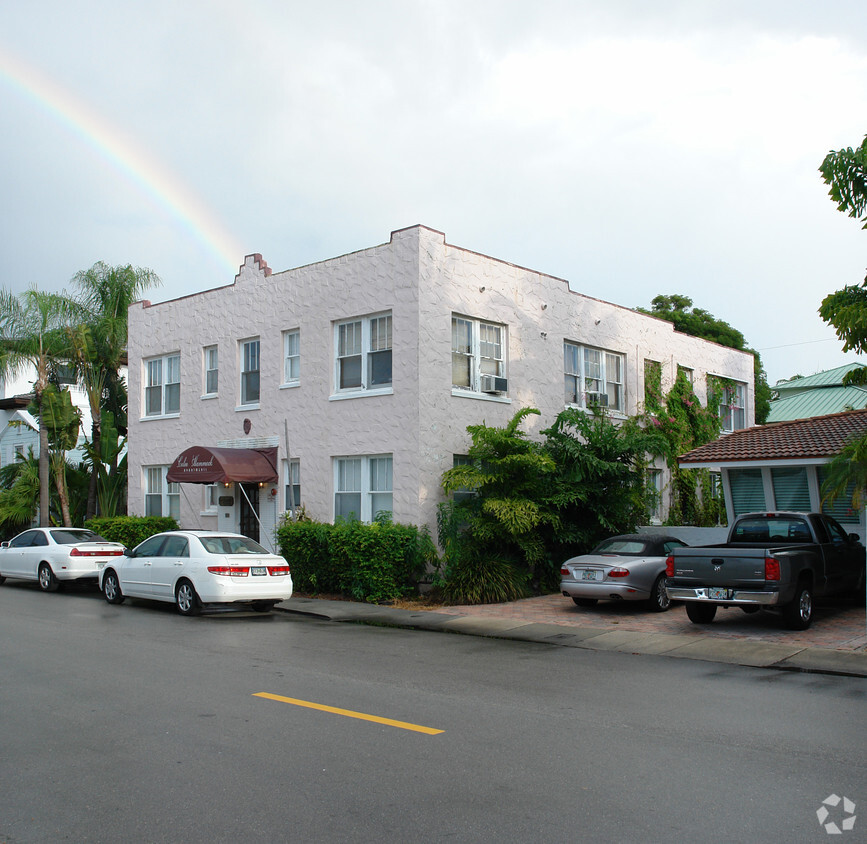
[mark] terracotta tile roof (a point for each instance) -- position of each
(820, 436)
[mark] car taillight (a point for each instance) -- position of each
(278, 571)
(230, 571)
(772, 569)
(564, 571)
(618, 572)
(669, 565)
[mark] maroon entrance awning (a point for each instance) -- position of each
(202, 465)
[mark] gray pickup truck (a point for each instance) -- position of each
(772, 561)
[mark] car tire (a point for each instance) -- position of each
(659, 600)
(798, 614)
(584, 602)
(48, 581)
(186, 599)
(263, 606)
(111, 588)
(750, 610)
(700, 613)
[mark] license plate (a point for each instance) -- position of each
(260, 570)
(590, 574)
(717, 593)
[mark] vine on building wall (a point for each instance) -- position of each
(684, 424)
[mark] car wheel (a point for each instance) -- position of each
(111, 588)
(47, 580)
(263, 606)
(186, 599)
(798, 614)
(750, 610)
(659, 600)
(584, 602)
(700, 613)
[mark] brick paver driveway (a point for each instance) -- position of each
(835, 625)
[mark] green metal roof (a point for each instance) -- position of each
(817, 402)
(828, 378)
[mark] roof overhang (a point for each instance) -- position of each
(200, 464)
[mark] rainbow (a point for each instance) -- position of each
(143, 170)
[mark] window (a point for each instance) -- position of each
(211, 370)
(161, 497)
(478, 356)
(791, 490)
(363, 356)
(652, 385)
(292, 481)
(291, 357)
(841, 508)
(464, 493)
(212, 497)
(593, 377)
(362, 487)
(163, 386)
(250, 372)
(654, 495)
(686, 372)
(748, 490)
(732, 408)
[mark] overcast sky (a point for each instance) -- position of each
(630, 147)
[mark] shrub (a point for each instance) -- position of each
(306, 546)
(130, 530)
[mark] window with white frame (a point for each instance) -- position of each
(732, 407)
(163, 386)
(593, 377)
(363, 353)
(654, 495)
(212, 370)
(250, 371)
(362, 487)
(478, 356)
(687, 373)
(292, 484)
(291, 357)
(211, 496)
(161, 497)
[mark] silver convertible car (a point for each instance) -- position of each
(623, 568)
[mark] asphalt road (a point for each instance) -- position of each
(133, 724)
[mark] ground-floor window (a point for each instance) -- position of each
(161, 497)
(292, 484)
(362, 487)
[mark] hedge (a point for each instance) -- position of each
(130, 530)
(373, 563)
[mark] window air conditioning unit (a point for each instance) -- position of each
(493, 384)
(599, 399)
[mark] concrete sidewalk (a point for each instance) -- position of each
(698, 643)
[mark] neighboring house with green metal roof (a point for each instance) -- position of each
(817, 395)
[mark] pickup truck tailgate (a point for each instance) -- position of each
(739, 568)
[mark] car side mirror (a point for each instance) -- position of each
(853, 537)
(128, 552)
(4, 544)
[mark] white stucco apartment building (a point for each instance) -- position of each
(350, 383)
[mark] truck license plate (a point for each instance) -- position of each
(717, 593)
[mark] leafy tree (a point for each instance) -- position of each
(105, 294)
(698, 322)
(63, 421)
(846, 310)
(598, 488)
(34, 332)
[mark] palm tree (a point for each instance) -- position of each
(34, 333)
(105, 294)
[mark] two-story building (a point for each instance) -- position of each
(347, 385)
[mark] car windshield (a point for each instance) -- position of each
(626, 547)
(231, 545)
(71, 537)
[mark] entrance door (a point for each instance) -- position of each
(249, 514)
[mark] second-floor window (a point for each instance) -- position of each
(593, 377)
(363, 353)
(163, 386)
(212, 370)
(732, 407)
(291, 357)
(478, 356)
(250, 371)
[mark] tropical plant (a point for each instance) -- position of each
(100, 341)
(34, 332)
(19, 493)
(63, 421)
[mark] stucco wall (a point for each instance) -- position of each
(422, 281)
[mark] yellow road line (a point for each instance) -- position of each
(403, 725)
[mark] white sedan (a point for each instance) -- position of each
(52, 555)
(195, 568)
